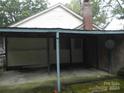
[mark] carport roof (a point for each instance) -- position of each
(54, 30)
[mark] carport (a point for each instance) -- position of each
(95, 42)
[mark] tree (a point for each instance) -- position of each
(12, 11)
(103, 10)
(99, 13)
(74, 5)
(119, 9)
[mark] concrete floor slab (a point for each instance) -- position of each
(9, 78)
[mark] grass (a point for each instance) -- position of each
(101, 86)
(26, 88)
(104, 86)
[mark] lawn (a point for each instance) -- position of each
(115, 85)
(103, 86)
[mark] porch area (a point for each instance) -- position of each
(98, 51)
(42, 78)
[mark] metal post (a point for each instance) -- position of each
(110, 45)
(6, 54)
(58, 62)
(110, 60)
(70, 53)
(48, 56)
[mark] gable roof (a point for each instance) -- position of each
(94, 26)
(50, 9)
(116, 24)
(45, 11)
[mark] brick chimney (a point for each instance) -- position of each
(87, 15)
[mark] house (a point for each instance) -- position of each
(28, 44)
(57, 16)
(36, 42)
(116, 24)
(35, 50)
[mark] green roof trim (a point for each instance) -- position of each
(54, 30)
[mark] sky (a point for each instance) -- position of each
(53, 2)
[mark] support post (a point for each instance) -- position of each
(70, 53)
(97, 53)
(6, 54)
(58, 62)
(110, 60)
(110, 45)
(48, 55)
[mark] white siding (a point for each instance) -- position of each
(27, 51)
(57, 18)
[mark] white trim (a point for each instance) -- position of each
(98, 28)
(94, 26)
(70, 11)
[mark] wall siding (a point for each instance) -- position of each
(117, 54)
(33, 51)
(57, 18)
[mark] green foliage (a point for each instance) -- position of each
(12, 11)
(112, 85)
(103, 10)
(74, 6)
(119, 9)
(99, 16)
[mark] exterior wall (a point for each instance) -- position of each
(117, 55)
(29, 51)
(77, 56)
(103, 54)
(33, 51)
(2, 51)
(77, 53)
(90, 52)
(57, 18)
(65, 57)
